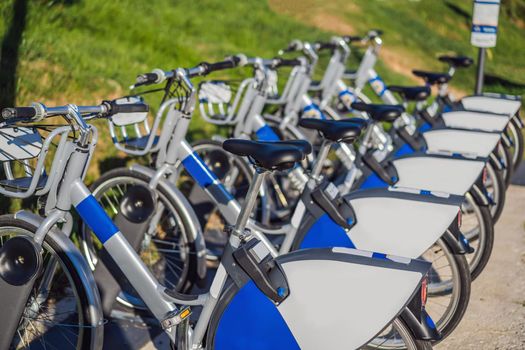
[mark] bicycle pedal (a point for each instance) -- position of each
(176, 317)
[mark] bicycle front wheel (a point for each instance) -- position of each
(57, 314)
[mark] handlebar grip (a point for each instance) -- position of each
(352, 38)
(281, 62)
(19, 112)
(127, 108)
(325, 46)
(230, 62)
(147, 79)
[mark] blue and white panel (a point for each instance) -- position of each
(399, 226)
(339, 299)
(481, 144)
(454, 176)
(325, 233)
(19, 143)
(491, 104)
(476, 120)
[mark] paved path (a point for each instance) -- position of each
(495, 318)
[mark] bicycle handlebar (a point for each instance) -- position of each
(19, 112)
(282, 62)
(203, 68)
(352, 38)
(230, 62)
(39, 111)
(319, 46)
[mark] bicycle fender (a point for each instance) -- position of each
(438, 174)
(332, 291)
(86, 276)
(397, 226)
(462, 141)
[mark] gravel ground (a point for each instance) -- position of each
(495, 318)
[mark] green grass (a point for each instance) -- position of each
(83, 51)
(416, 32)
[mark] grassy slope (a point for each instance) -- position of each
(416, 32)
(82, 51)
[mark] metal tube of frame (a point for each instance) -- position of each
(251, 197)
(321, 157)
(140, 277)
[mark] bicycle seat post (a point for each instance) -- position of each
(238, 233)
(321, 157)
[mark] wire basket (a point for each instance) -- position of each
(131, 132)
(23, 152)
(224, 102)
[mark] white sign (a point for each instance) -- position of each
(485, 23)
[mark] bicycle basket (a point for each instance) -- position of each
(215, 100)
(23, 152)
(131, 132)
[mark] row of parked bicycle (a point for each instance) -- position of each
(324, 221)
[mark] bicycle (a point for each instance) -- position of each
(249, 277)
(181, 154)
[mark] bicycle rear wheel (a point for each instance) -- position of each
(448, 287)
(517, 144)
(57, 314)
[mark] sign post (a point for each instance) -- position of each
(484, 33)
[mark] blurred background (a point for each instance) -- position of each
(83, 51)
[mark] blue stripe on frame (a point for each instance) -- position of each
(198, 170)
(96, 218)
(265, 133)
(314, 107)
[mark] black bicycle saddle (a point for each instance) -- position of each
(271, 155)
(334, 130)
(457, 61)
(432, 78)
(411, 93)
(380, 113)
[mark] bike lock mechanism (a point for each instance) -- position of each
(257, 262)
(135, 210)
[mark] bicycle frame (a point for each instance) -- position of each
(73, 193)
